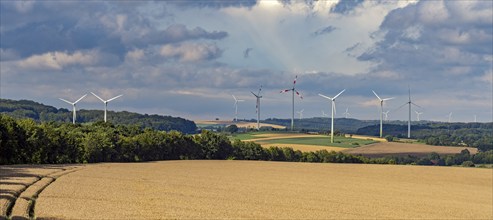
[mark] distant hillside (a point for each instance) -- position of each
(44, 113)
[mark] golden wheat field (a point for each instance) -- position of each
(267, 190)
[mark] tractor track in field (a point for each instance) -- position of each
(18, 198)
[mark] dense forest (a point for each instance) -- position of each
(24, 141)
(45, 113)
(479, 135)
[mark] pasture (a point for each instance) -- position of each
(267, 190)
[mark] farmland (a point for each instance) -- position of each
(303, 142)
(272, 190)
(403, 149)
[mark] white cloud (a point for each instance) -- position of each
(58, 60)
(191, 52)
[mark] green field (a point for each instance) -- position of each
(321, 141)
(249, 135)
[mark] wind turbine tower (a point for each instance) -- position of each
(409, 119)
(258, 96)
(297, 93)
(74, 116)
(106, 103)
(333, 101)
(449, 117)
(236, 107)
(381, 110)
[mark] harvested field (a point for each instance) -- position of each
(20, 185)
(404, 149)
(267, 190)
(240, 124)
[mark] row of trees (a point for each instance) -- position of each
(25, 141)
(44, 113)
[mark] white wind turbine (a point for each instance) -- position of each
(409, 119)
(475, 118)
(346, 113)
(301, 113)
(297, 93)
(257, 107)
(333, 101)
(449, 117)
(74, 116)
(386, 113)
(236, 107)
(418, 114)
(323, 114)
(106, 103)
(381, 110)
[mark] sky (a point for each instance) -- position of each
(187, 58)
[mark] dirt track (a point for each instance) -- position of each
(272, 190)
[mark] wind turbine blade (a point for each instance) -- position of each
(416, 105)
(388, 99)
(339, 94)
(240, 100)
(80, 98)
(254, 94)
(376, 95)
(325, 96)
(400, 106)
(260, 89)
(66, 101)
(299, 94)
(97, 97)
(334, 106)
(295, 78)
(234, 98)
(282, 91)
(109, 100)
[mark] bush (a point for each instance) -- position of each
(467, 164)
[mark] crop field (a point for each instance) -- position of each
(404, 149)
(267, 190)
(303, 142)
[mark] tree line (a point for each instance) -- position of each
(45, 113)
(24, 141)
(478, 135)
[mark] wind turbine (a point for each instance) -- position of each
(417, 114)
(386, 115)
(409, 119)
(346, 113)
(333, 112)
(323, 114)
(258, 96)
(381, 110)
(106, 103)
(74, 116)
(236, 106)
(301, 113)
(297, 93)
(449, 117)
(475, 119)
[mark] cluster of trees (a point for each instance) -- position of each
(477, 135)
(45, 113)
(26, 141)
